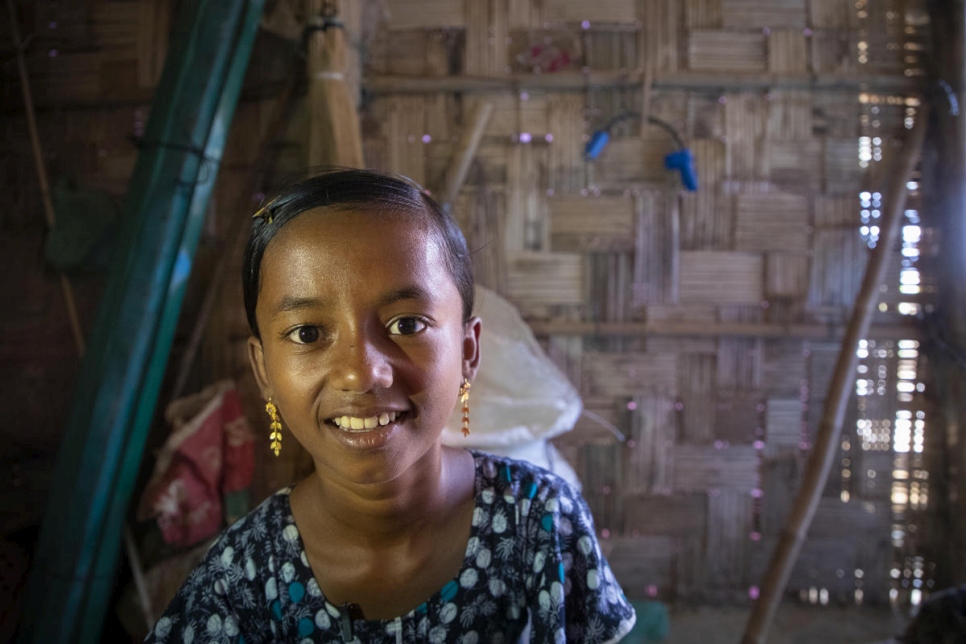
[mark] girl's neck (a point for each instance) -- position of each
(392, 511)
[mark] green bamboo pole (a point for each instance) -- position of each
(72, 578)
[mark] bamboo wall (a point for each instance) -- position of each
(606, 258)
(703, 326)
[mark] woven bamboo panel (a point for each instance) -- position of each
(864, 521)
(729, 524)
(66, 77)
(600, 468)
(525, 14)
(783, 424)
(406, 127)
(833, 51)
(411, 52)
(595, 425)
(526, 224)
(627, 374)
(699, 469)
(544, 278)
(842, 170)
(697, 376)
(115, 27)
(681, 515)
(652, 435)
(514, 114)
(702, 14)
(786, 275)
(795, 166)
(784, 369)
(600, 224)
(633, 161)
(832, 14)
(578, 11)
(661, 38)
(774, 14)
(727, 51)
(719, 277)
(787, 52)
(739, 417)
(606, 50)
(745, 125)
(790, 116)
(707, 220)
(780, 482)
(837, 267)
(487, 31)
(777, 222)
(739, 363)
(425, 14)
(836, 212)
(656, 257)
(641, 563)
(566, 126)
(609, 286)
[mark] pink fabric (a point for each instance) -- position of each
(206, 456)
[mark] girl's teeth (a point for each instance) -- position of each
(355, 423)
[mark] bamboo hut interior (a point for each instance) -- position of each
(701, 328)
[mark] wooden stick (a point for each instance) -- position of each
(137, 571)
(335, 137)
(469, 145)
(28, 102)
(842, 384)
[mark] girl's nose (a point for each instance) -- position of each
(358, 365)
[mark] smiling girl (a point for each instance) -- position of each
(359, 293)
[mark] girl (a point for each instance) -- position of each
(359, 293)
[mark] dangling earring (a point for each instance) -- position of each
(465, 399)
(275, 426)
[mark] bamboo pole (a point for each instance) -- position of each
(823, 453)
(65, 285)
(334, 135)
(469, 145)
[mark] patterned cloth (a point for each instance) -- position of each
(533, 571)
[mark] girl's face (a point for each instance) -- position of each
(363, 344)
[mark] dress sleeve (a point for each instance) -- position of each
(209, 607)
(574, 595)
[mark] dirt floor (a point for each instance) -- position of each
(794, 624)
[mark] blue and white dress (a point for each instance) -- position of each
(533, 571)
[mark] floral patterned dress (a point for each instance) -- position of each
(533, 571)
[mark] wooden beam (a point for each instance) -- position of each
(577, 81)
(833, 332)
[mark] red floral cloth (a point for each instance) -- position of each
(209, 453)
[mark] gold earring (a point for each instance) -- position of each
(465, 399)
(275, 426)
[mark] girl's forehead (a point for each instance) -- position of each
(317, 246)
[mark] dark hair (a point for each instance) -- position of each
(349, 189)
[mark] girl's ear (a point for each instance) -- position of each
(471, 347)
(256, 356)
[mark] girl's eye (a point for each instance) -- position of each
(305, 334)
(406, 326)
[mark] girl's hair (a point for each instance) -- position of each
(350, 189)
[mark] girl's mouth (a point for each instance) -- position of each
(355, 424)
